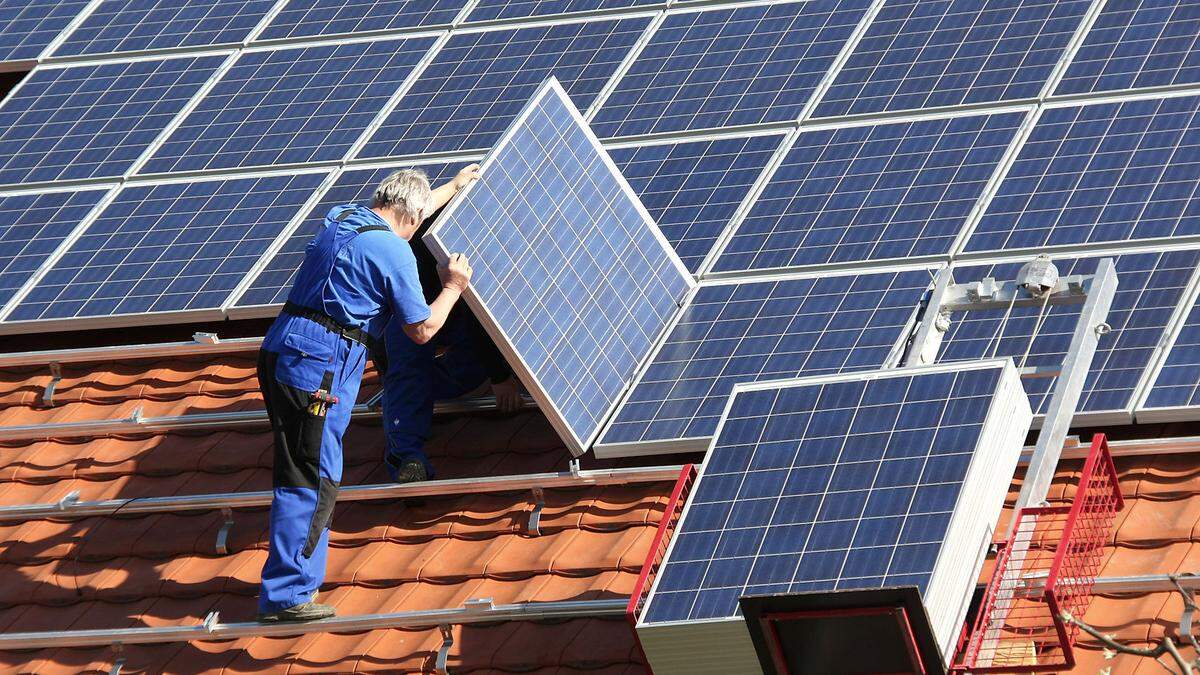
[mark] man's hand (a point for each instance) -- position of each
(508, 395)
(467, 175)
(457, 274)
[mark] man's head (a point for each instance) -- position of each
(402, 199)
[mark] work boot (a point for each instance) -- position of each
(411, 471)
(305, 611)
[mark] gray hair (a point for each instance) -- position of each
(407, 191)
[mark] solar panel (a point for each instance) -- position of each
(692, 189)
(490, 10)
(726, 67)
(311, 18)
(1150, 286)
(28, 26)
(1174, 392)
(478, 82)
(880, 192)
(895, 478)
(92, 121)
(930, 53)
(271, 286)
(285, 106)
(172, 247)
(1098, 173)
(572, 277)
(131, 25)
(1145, 43)
(34, 226)
(751, 331)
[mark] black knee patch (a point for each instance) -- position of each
(326, 498)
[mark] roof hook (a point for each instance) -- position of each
(55, 378)
(444, 652)
(535, 516)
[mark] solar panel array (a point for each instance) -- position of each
(771, 141)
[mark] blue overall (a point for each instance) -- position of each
(357, 275)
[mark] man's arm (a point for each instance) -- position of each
(443, 193)
(455, 278)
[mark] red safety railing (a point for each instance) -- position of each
(1047, 567)
(658, 548)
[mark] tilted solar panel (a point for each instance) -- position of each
(751, 331)
(893, 478)
(312, 18)
(271, 286)
(1174, 390)
(932, 53)
(1137, 43)
(573, 280)
(490, 10)
(1099, 173)
(692, 189)
(173, 247)
(286, 106)
(478, 82)
(881, 192)
(132, 25)
(724, 67)
(1150, 286)
(34, 226)
(93, 121)
(28, 26)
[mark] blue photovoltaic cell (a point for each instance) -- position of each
(159, 248)
(34, 226)
(930, 53)
(271, 286)
(488, 10)
(692, 189)
(309, 18)
(766, 330)
(131, 25)
(1178, 382)
(1088, 174)
(729, 66)
(569, 269)
(478, 82)
(306, 104)
(871, 193)
(92, 121)
(1137, 43)
(1149, 287)
(28, 26)
(814, 487)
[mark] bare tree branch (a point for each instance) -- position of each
(1108, 641)
(1189, 611)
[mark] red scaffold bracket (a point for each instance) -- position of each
(1047, 567)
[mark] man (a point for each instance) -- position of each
(358, 273)
(460, 361)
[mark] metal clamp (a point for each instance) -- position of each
(444, 652)
(535, 516)
(68, 500)
(573, 467)
(222, 545)
(55, 378)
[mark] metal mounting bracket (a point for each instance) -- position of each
(573, 467)
(222, 545)
(206, 338)
(444, 652)
(533, 527)
(55, 378)
(68, 500)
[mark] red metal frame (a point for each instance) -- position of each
(898, 613)
(658, 550)
(1047, 567)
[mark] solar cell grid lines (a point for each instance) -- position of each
(133, 25)
(692, 189)
(28, 26)
(34, 226)
(750, 331)
(725, 67)
(843, 483)
(479, 81)
(312, 18)
(488, 10)
(932, 53)
(93, 121)
(572, 277)
(1150, 286)
(1098, 173)
(1137, 43)
(287, 106)
(271, 286)
(167, 248)
(887, 191)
